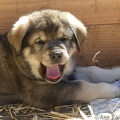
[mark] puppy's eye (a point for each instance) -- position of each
(63, 38)
(38, 40)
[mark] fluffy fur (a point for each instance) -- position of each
(38, 42)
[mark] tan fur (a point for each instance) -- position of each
(36, 42)
(17, 33)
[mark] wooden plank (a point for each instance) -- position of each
(89, 11)
(104, 38)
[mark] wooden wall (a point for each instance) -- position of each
(101, 17)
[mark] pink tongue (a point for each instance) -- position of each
(53, 72)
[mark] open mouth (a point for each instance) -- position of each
(53, 73)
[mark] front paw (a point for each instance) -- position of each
(109, 91)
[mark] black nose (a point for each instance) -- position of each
(56, 54)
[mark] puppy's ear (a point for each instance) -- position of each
(75, 39)
(78, 28)
(17, 33)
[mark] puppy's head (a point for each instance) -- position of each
(45, 41)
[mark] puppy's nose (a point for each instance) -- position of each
(56, 55)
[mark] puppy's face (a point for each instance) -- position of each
(45, 41)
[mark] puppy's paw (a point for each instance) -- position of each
(109, 91)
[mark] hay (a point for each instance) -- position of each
(65, 112)
(94, 60)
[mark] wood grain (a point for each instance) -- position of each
(103, 38)
(89, 11)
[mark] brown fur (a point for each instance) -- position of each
(25, 54)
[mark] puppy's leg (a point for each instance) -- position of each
(49, 95)
(8, 99)
(97, 75)
(92, 91)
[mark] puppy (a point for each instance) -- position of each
(36, 62)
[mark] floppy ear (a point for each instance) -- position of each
(75, 39)
(78, 28)
(17, 33)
